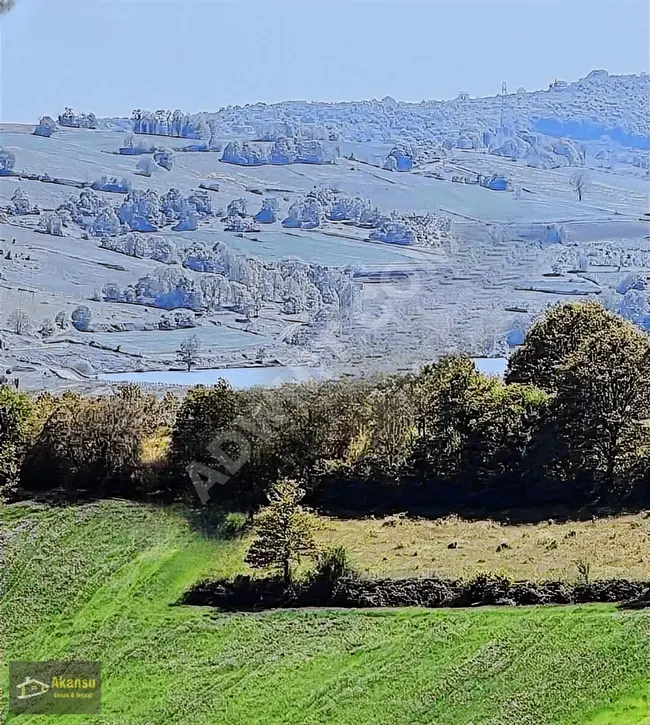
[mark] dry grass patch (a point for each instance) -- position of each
(397, 546)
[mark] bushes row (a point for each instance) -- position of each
(569, 426)
(245, 593)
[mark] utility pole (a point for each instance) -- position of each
(504, 94)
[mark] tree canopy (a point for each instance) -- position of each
(285, 531)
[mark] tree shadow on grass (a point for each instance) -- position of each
(215, 523)
(505, 516)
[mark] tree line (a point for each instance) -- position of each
(569, 426)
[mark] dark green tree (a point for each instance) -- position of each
(552, 340)
(600, 413)
(285, 531)
(17, 426)
(474, 431)
(207, 437)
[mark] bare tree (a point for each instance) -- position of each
(6, 6)
(19, 322)
(48, 328)
(61, 320)
(579, 183)
(189, 351)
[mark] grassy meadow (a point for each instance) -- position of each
(98, 582)
(615, 547)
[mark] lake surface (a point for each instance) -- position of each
(237, 377)
(252, 377)
(491, 365)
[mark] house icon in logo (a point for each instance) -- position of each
(31, 688)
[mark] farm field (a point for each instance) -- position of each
(616, 547)
(311, 247)
(166, 342)
(113, 570)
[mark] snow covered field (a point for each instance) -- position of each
(166, 342)
(342, 264)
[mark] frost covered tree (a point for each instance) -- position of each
(393, 232)
(631, 281)
(189, 221)
(61, 320)
(579, 182)
(81, 210)
(305, 214)
(266, 215)
(199, 258)
(164, 250)
(200, 200)
(20, 203)
(177, 320)
(237, 207)
(164, 158)
(51, 224)
(244, 154)
(216, 291)
(238, 224)
(106, 223)
(634, 305)
(189, 351)
(213, 127)
(145, 166)
(19, 322)
(106, 183)
(173, 204)
(7, 162)
(402, 157)
(81, 318)
(314, 152)
(141, 211)
(48, 328)
(168, 289)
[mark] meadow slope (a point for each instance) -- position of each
(97, 582)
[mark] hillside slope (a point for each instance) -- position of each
(97, 581)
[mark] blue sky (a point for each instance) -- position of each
(110, 56)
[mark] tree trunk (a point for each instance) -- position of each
(286, 571)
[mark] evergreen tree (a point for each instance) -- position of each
(285, 531)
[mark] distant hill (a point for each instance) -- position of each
(600, 103)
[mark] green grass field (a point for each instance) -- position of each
(97, 582)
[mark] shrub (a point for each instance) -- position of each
(334, 564)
